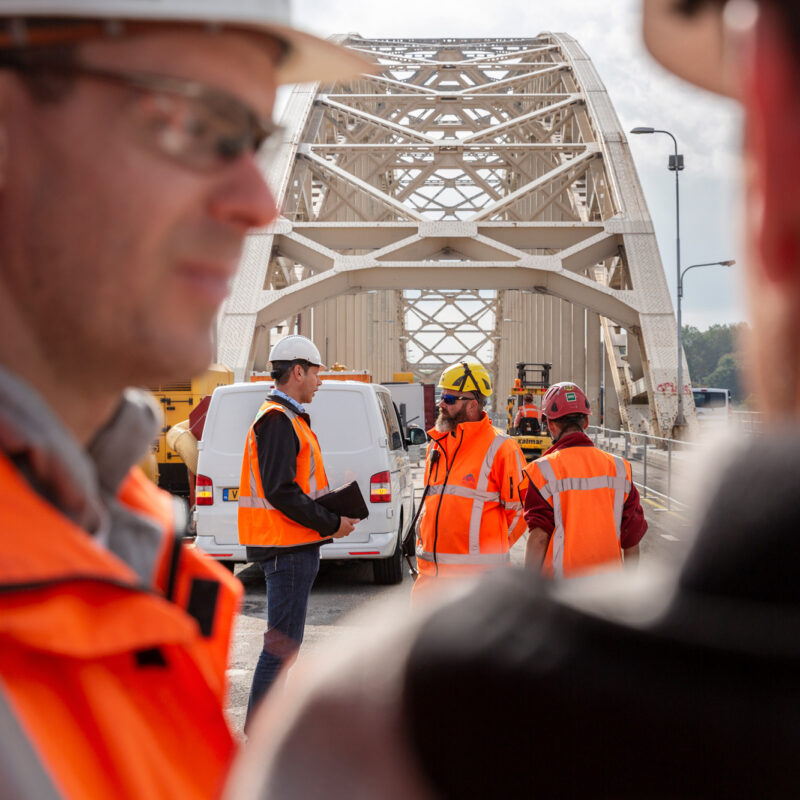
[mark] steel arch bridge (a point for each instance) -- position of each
(472, 197)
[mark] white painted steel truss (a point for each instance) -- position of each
(461, 171)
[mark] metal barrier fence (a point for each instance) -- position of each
(657, 451)
(646, 449)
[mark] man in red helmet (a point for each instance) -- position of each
(581, 506)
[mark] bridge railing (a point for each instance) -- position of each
(656, 455)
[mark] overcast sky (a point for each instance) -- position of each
(707, 128)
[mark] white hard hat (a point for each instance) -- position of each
(292, 348)
(309, 58)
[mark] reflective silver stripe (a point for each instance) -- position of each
(479, 559)
(481, 490)
(621, 487)
(582, 484)
(516, 519)
(24, 774)
(464, 491)
(558, 531)
(255, 502)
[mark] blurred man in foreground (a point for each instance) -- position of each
(627, 685)
(128, 180)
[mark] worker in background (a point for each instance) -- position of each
(526, 420)
(279, 519)
(676, 672)
(472, 513)
(581, 506)
(128, 181)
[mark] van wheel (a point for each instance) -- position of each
(389, 571)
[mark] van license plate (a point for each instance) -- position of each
(231, 495)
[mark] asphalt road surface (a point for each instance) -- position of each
(345, 587)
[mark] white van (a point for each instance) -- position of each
(360, 438)
(713, 406)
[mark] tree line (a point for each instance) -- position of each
(714, 358)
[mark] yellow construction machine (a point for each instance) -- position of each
(532, 379)
(179, 400)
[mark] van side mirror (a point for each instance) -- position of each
(416, 435)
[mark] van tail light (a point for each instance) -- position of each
(380, 488)
(204, 491)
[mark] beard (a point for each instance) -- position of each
(446, 423)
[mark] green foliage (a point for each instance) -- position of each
(713, 358)
(726, 375)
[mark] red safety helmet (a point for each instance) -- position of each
(564, 398)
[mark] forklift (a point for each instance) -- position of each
(533, 379)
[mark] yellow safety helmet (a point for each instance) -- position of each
(466, 376)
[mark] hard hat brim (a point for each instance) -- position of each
(312, 59)
(309, 58)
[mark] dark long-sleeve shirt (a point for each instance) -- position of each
(539, 513)
(277, 445)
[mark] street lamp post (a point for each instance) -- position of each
(675, 164)
(679, 419)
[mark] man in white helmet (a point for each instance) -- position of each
(128, 181)
(279, 519)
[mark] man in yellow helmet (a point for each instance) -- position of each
(472, 513)
(128, 182)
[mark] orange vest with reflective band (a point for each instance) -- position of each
(260, 524)
(528, 411)
(472, 513)
(117, 684)
(587, 489)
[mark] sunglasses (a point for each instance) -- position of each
(452, 399)
(196, 125)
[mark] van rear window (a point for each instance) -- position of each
(234, 417)
(340, 420)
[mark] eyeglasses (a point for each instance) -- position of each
(197, 125)
(452, 399)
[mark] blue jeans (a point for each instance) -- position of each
(289, 579)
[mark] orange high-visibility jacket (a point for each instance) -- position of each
(587, 489)
(528, 411)
(261, 524)
(472, 514)
(109, 686)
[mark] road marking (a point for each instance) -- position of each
(669, 537)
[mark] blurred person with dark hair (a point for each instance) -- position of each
(640, 683)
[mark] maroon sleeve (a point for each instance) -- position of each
(634, 525)
(537, 511)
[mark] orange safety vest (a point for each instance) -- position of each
(472, 513)
(261, 524)
(110, 686)
(528, 411)
(587, 489)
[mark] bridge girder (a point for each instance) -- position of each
(494, 170)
